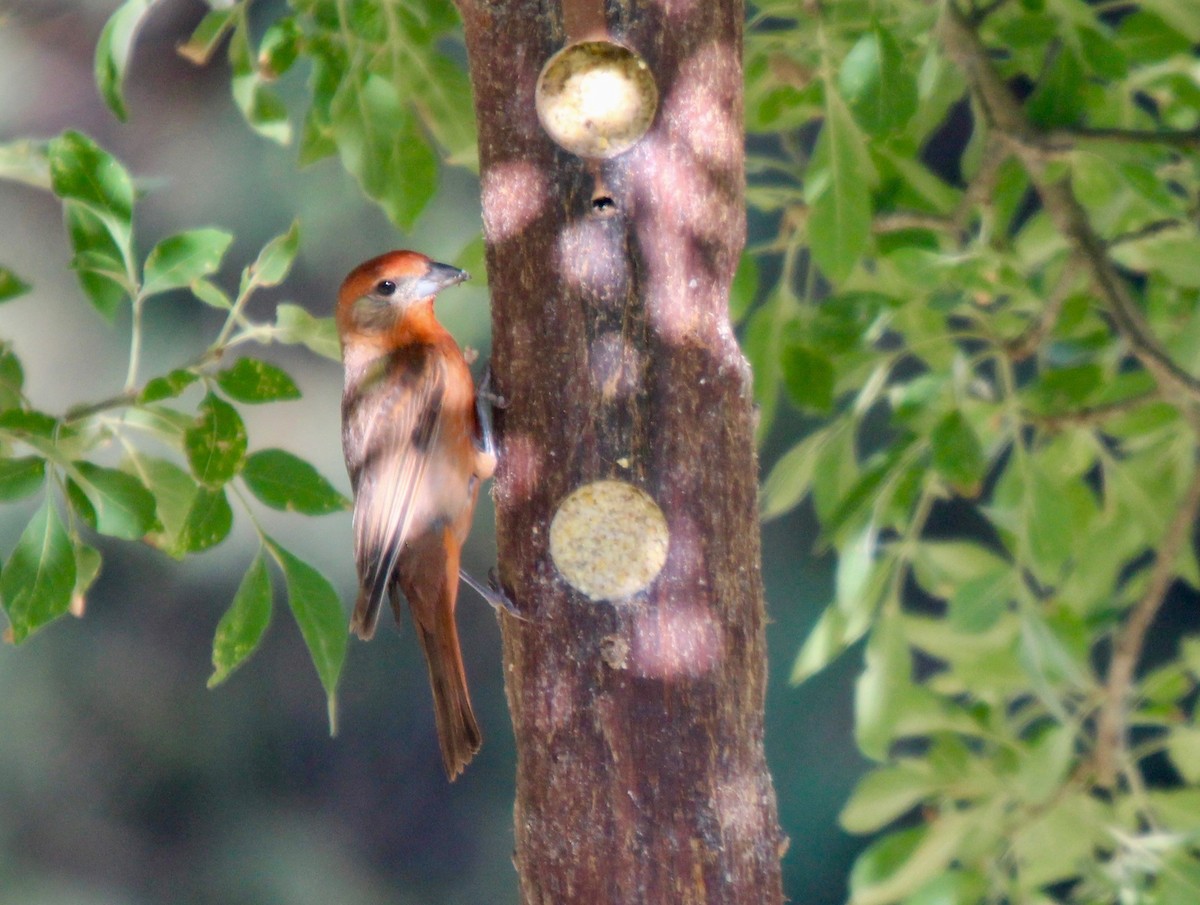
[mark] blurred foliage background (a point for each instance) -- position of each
(971, 308)
(122, 778)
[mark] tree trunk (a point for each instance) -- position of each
(639, 722)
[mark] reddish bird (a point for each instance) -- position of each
(416, 453)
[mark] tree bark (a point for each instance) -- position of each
(641, 776)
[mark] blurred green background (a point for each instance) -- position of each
(122, 779)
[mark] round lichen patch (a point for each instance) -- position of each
(609, 539)
(596, 98)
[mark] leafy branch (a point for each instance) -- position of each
(146, 498)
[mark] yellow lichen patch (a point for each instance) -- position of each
(609, 539)
(596, 98)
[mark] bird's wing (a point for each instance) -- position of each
(398, 425)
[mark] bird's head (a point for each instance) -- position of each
(378, 293)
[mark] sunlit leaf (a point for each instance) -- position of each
(838, 192)
(879, 88)
(179, 260)
(383, 148)
(275, 260)
(295, 325)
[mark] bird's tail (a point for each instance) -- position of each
(458, 733)
(429, 578)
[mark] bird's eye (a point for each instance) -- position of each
(385, 287)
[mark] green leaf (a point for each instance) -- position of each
(121, 506)
(275, 260)
(883, 795)
(29, 422)
(879, 88)
(12, 378)
(167, 386)
(99, 261)
(1058, 98)
(791, 477)
(808, 377)
(216, 442)
(1146, 38)
(837, 189)
(1183, 747)
(208, 522)
(296, 326)
(279, 47)
(881, 686)
(82, 171)
(211, 295)
(113, 50)
(744, 289)
(903, 861)
(25, 161)
(957, 454)
(284, 481)
(382, 146)
(21, 477)
(181, 259)
(174, 492)
(87, 570)
(40, 574)
(264, 112)
(241, 628)
(11, 285)
(978, 603)
(252, 380)
(824, 643)
(318, 612)
(1045, 765)
(200, 46)
(440, 92)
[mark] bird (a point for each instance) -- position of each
(417, 451)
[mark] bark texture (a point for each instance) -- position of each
(639, 724)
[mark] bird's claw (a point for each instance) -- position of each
(493, 593)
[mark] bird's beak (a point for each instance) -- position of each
(437, 278)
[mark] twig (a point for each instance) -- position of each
(1111, 742)
(1188, 139)
(1034, 149)
(983, 186)
(895, 221)
(1055, 421)
(1153, 228)
(1031, 339)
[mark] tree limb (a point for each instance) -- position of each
(1111, 741)
(1034, 149)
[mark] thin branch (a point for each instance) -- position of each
(983, 186)
(1187, 139)
(895, 221)
(1094, 414)
(1031, 339)
(1153, 228)
(1035, 149)
(1111, 741)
